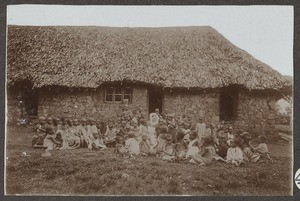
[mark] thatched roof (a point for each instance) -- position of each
(183, 57)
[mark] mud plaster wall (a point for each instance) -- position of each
(257, 113)
(196, 104)
(88, 103)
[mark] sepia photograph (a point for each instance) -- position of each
(149, 100)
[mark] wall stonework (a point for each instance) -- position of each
(196, 104)
(14, 111)
(87, 103)
(257, 113)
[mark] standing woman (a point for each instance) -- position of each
(152, 125)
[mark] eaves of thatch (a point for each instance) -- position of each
(172, 57)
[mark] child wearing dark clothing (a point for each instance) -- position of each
(38, 138)
(222, 147)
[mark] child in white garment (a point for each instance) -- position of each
(193, 146)
(132, 145)
(234, 154)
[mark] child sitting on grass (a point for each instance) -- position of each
(234, 153)
(50, 122)
(92, 127)
(180, 146)
(205, 156)
(193, 147)
(143, 127)
(248, 154)
(85, 139)
(50, 141)
(169, 151)
(120, 147)
(132, 145)
(230, 135)
(161, 141)
(40, 128)
(110, 135)
(135, 130)
(64, 124)
(70, 141)
(145, 146)
(79, 130)
(57, 124)
(97, 143)
(222, 146)
(262, 148)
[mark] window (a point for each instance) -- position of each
(118, 94)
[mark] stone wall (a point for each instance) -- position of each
(197, 104)
(257, 113)
(14, 109)
(87, 103)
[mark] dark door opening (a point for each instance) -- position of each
(228, 103)
(27, 98)
(31, 102)
(155, 99)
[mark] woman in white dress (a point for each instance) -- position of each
(152, 125)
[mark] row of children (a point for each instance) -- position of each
(195, 150)
(162, 136)
(70, 134)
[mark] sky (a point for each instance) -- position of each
(266, 32)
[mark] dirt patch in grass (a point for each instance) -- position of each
(86, 172)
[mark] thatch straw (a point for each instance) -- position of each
(185, 57)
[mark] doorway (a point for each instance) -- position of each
(27, 98)
(228, 103)
(155, 99)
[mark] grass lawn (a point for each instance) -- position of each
(82, 172)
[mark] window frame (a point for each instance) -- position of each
(114, 94)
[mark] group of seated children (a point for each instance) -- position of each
(68, 134)
(162, 136)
